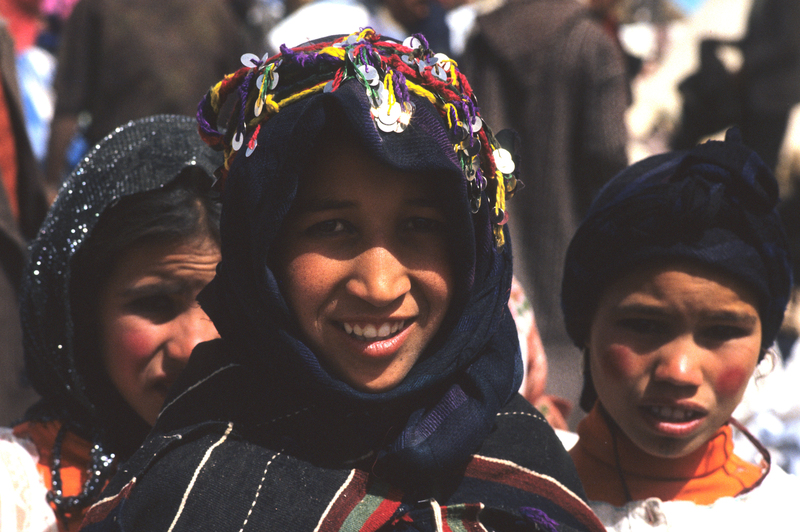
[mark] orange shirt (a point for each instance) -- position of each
(707, 474)
(74, 461)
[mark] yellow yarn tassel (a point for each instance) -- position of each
(420, 91)
(300, 95)
(214, 92)
(333, 51)
(500, 204)
(446, 109)
(453, 76)
(388, 82)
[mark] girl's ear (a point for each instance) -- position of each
(588, 393)
(762, 354)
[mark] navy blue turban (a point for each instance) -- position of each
(714, 205)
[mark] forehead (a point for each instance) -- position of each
(344, 172)
(682, 282)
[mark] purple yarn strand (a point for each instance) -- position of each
(307, 59)
(538, 517)
(400, 87)
(422, 39)
(243, 96)
(207, 128)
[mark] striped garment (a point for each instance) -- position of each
(239, 483)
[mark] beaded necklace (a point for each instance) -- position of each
(102, 466)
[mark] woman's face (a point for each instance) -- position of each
(150, 320)
(365, 267)
(671, 351)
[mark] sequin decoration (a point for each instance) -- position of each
(390, 73)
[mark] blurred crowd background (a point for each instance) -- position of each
(590, 85)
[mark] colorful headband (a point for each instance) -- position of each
(390, 72)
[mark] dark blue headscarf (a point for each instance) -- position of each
(714, 205)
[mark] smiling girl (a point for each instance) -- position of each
(675, 286)
(367, 372)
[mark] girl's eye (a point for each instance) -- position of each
(419, 223)
(723, 333)
(159, 308)
(330, 227)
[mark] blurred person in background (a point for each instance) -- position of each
(395, 18)
(121, 60)
(548, 69)
(608, 13)
(534, 362)
(759, 96)
(23, 206)
(770, 74)
(35, 67)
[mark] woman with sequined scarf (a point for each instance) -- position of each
(367, 372)
(675, 286)
(109, 315)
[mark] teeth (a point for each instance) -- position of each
(671, 414)
(370, 331)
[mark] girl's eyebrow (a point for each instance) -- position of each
(424, 201)
(171, 286)
(640, 308)
(745, 318)
(322, 204)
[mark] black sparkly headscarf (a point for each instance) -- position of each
(140, 156)
(714, 205)
(472, 366)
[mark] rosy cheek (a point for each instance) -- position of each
(731, 381)
(618, 362)
(132, 344)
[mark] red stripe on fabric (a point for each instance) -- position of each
(100, 510)
(445, 520)
(511, 474)
(348, 499)
(384, 511)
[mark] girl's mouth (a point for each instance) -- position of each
(673, 414)
(371, 332)
(673, 421)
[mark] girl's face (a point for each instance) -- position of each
(671, 349)
(365, 267)
(150, 320)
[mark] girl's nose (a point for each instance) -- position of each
(378, 277)
(679, 363)
(190, 328)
